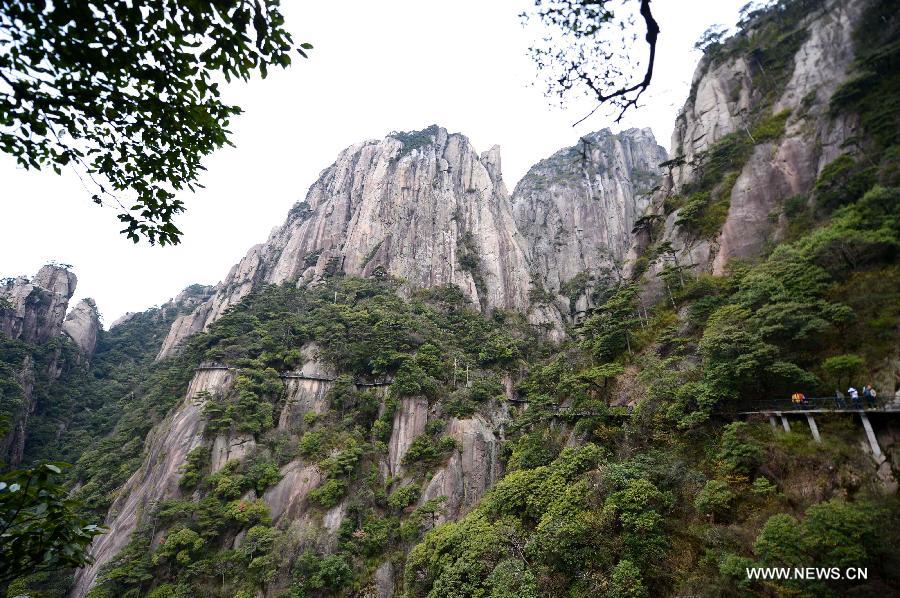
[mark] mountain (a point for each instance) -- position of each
(757, 130)
(32, 315)
(33, 310)
(421, 207)
(421, 384)
(576, 210)
(425, 207)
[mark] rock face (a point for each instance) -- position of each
(471, 470)
(33, 310)
(812, 138)
(576, 210)
(12, 445)
(287, 498)
(157, 479)
(82, 325)
(427, 208)
(730, 94)
(422, 206)
(409, 422)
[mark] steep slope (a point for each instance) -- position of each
(421, 206)
(304, 439)
(577, 208)
(368, 436)
(60, 392)
(33, 310)
(31, 320)
(756, 131)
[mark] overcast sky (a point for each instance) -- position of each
(377, 67)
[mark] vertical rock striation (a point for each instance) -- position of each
(426, 207)
(734, 95)
(157, 479)
(33, 310)
(576, 210)
(422, 206)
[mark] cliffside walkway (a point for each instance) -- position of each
(297, 375)
(782, 408)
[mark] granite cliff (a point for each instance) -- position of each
(756, 131)
(427, 208)
(350, 453)
(32, 312)
(576, 210)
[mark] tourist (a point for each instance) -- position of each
(870, 395)
(854, 396)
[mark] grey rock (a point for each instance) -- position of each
(409, 422)
(82, 325)
(157, 479)
(287, 498)
(384, 580)
(576, 209)
(722, 101)
(471, 470)
(33, 310)
(406, 205)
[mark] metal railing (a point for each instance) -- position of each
(832, 403)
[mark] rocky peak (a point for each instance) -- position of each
(82, 325)
(576, 210)
(755, 130)
(423, 206)
(33, 310)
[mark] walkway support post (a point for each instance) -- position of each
(784, 421)
(870, 434)
(813, 427)
(772, 422)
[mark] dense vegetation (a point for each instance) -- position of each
(626, 469)
(433, 344)
(666, 498)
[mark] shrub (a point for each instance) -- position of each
(425, 450)
(512, 579)
(313, 444)
(329, 494)
(404, 496)
(738, 452)
(841, 182)
(780, 542)
(227, 483)
(313, 572)
(763, 487)
(532, 450)
(263, 474)
(771, 127)
(179, 546)
(626, 581)
(714, 500)
(248, 512)
(411, 380)
(192, 471)
(842, 369)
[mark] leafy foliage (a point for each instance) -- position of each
(40, 528)
(72, 95)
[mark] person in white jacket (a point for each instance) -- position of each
(854, 396)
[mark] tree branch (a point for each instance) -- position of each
(650, 37)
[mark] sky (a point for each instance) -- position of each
(376, 67)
